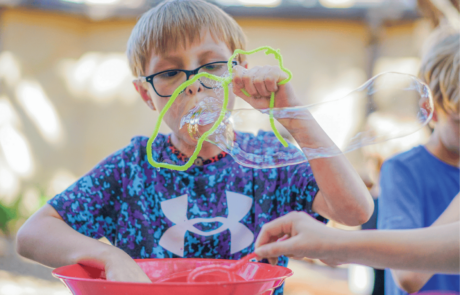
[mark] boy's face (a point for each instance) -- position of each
(194, 55)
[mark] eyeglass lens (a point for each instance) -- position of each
(165, 83)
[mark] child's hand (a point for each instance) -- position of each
(308, 238)
(120, 267)
(259, 83)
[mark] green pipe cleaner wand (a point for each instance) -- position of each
(225, 82)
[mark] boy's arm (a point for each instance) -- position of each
(47, 239)
(411, 281)
(342, 195)
(427, 249)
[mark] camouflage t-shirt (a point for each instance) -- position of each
(211, 211)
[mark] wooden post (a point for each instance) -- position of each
(435, 10)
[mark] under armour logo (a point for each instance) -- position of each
(176, 211)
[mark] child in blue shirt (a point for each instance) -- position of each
(418, 185)
(217, 207)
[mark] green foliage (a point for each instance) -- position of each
(9, 213)
(42, 200)
(13, 215)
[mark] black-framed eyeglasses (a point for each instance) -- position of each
(166, 82)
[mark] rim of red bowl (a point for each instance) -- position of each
(59, 276)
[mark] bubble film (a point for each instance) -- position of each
(394, 96)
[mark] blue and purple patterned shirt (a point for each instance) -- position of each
(211, 211)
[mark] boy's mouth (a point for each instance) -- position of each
(205, 112)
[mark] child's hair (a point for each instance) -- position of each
(440, 69)
(174, 23)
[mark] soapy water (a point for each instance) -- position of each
(344, 122)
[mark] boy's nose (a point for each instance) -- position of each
(194, 88)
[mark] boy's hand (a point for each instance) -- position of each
(120, 267)
(260, 82)
(308, 238)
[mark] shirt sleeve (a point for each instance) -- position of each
(400, 201)
(89, 205)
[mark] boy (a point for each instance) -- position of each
(146, 213)
(418, 185)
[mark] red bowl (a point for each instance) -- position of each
(260, 278)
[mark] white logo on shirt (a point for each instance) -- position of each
(176, 211)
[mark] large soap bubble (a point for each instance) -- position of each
(395, 96)
(391, 95)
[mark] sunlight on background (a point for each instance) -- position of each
(360, 279)
(9, 184)
(16, 150)
(100, 77)
(14, 146)
(7, 112)
(61, 180)
(10, 70)
(30, 201)
(265, 3)
(127, 3)
(97, 2)
(40, 110)
(407, 65)
(269, 3)
(337, 3)
(83, 70)
(13, 288)
(108, 76)
(102, 2)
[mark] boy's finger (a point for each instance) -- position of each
(248, 77)
(259, 81)
(276, 228)
(276, 249)
(238, 93)
(271, 80)
(284, 238)
(238, 72)
(296, 258)
(273, 261)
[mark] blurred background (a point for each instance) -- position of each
(66, 98)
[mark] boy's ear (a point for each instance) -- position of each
(426, 105)
(144, 94)
(435, 116)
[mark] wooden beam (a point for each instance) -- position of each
(450, 10)
(428, 10)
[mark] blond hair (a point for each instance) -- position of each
(174, 23)
(440, 69)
